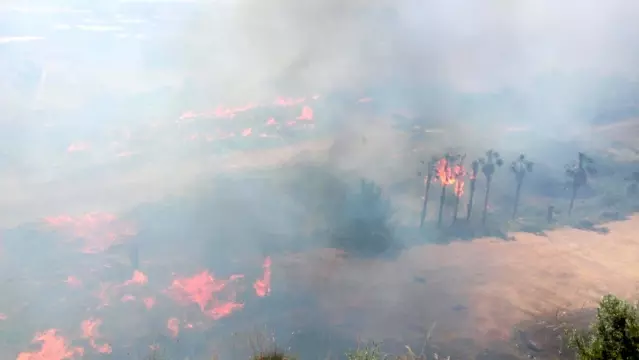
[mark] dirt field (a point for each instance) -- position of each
(473, 290)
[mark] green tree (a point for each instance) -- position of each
(613, 336)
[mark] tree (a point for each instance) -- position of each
(445, 176)
(431, 172)
(613, 336)
(577, 174)
(458, 178)
(363, 226)
(473, 183)
(488, 166)
(520, 168)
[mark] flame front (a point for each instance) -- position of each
(100, 231)
(263, 286)
(451, 174)
(53, 347)
(201, 289)
(90, 332)
(458, 174)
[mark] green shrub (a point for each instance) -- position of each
(362, 224)
(272, 355)
(613, 336)
(371, 352)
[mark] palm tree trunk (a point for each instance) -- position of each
(517, 193)
(428, 181)
(483, 216)
(442, 200)
(572, 199)
(470, 201)
(456, 208)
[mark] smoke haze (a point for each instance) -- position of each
(163, 164)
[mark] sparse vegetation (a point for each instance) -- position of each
(368, 352)
(272, 355)
(444, 176)
(363, 224)
(459, 172)
(430, 174)
(488, 166)
(577, 174)
(473, 185)
(520, 168)
(371, 352)
(614, 335)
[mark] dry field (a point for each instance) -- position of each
(474, 290)
(463, 292)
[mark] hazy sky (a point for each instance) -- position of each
(471, 44)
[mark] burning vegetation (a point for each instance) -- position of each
(357, 217)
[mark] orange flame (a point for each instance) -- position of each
(271, 121)
(99, 230)
(263, 286)
(280, 101)
(138, 278)
(444, 172)
(90, 332)
(450, 174)
(307, 114)
(149, 302)
(201, 290)
(53, 347)
(73, 281)
(458, 173)
(173, 324)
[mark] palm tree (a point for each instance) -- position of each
(431, 171)
(458, 177)
(488, 166)
(473, 182)
(520, 168)
(444, 174)
(578, 174)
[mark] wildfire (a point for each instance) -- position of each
(90, 332)
(201, 289)
(445, 172)
(99, 230)
(280, 101)
(451, 174)
(307, 114)
(173, 325)
(458, 174)
(53, 347)
(263, 286)
(73, 281)
(138, 278)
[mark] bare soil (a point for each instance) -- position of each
(475, 290)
